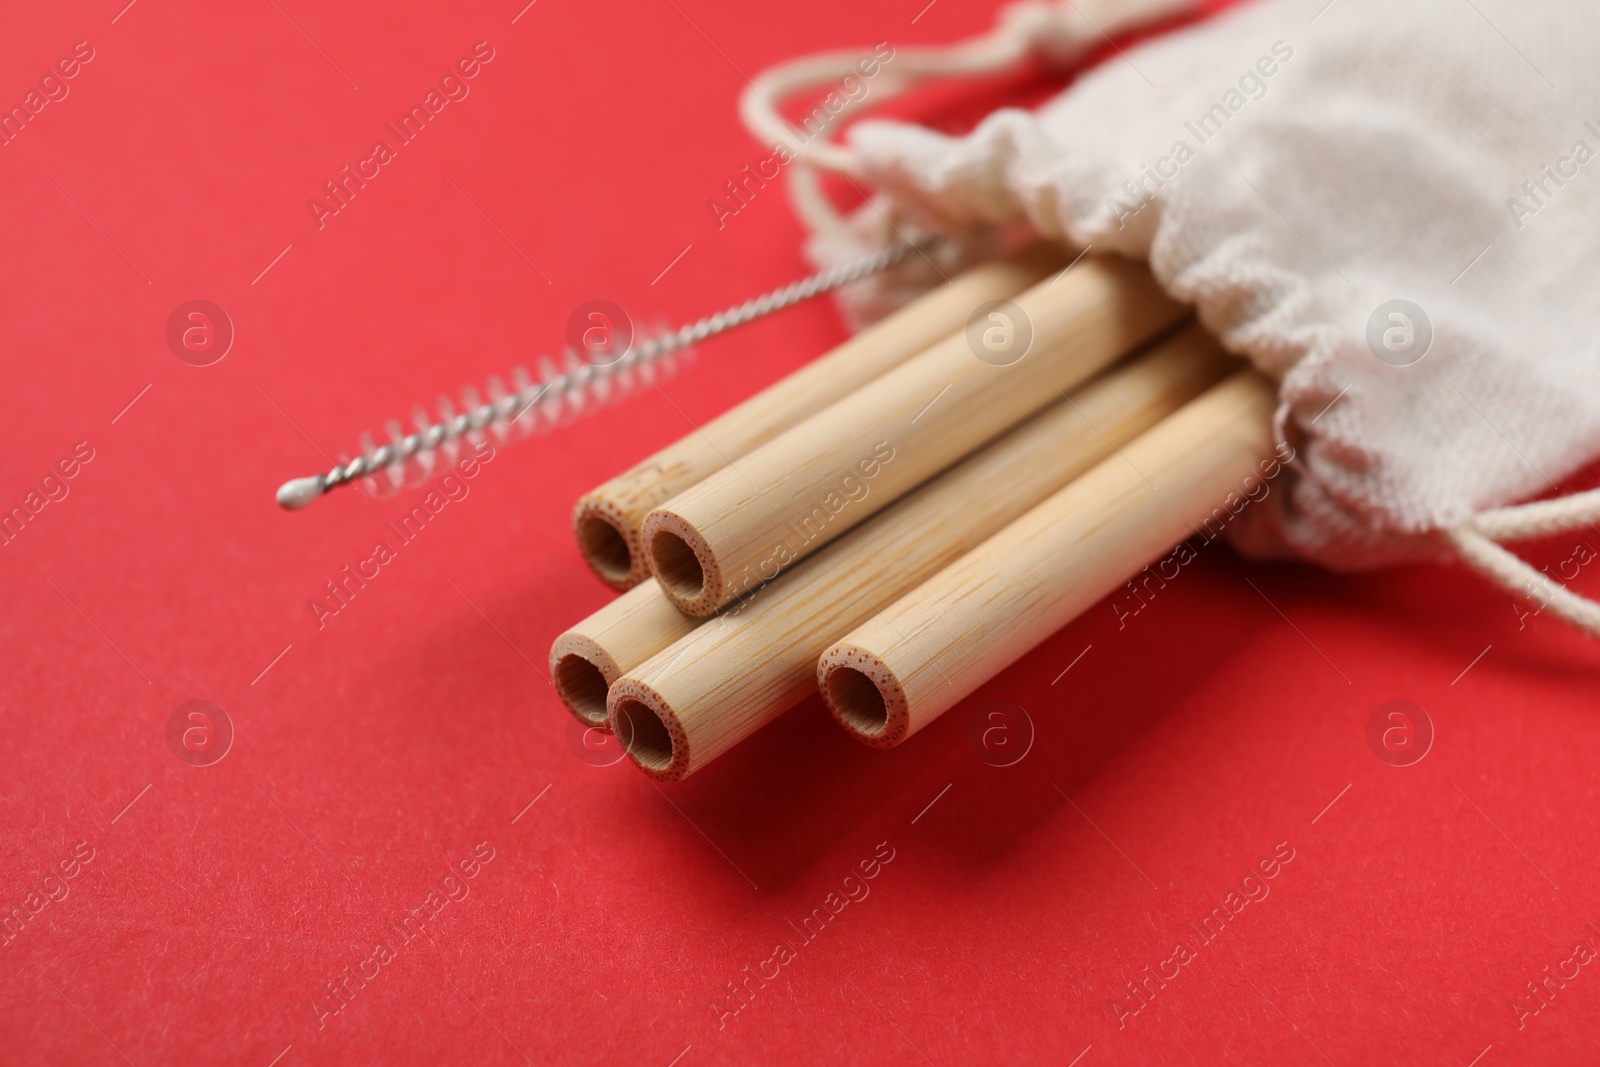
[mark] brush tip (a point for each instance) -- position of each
(296, 493)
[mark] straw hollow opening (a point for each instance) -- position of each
(605, 547)
(676, 566)
(857, 700)
(582, 686)
(647, 740)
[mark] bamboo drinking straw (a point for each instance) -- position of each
(699, 696)
(802, 489)
(607, 520)
(586, 659)
(906, 665)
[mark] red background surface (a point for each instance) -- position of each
(381, 750)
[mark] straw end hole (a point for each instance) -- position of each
(676, 566)
(858, 700)
(644, 736)
(606, 547)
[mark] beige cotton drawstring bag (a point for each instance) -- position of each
(1391, 209)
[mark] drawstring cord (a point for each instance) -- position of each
(1477, 542)
(1064, 33)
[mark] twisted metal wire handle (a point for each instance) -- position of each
(567, 389)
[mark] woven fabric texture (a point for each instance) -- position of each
(1304, 173)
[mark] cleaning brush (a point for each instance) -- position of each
(561, 392)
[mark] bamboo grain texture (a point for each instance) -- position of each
(697, 697)
(606, 520)
(905, 666)
(836, 469)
